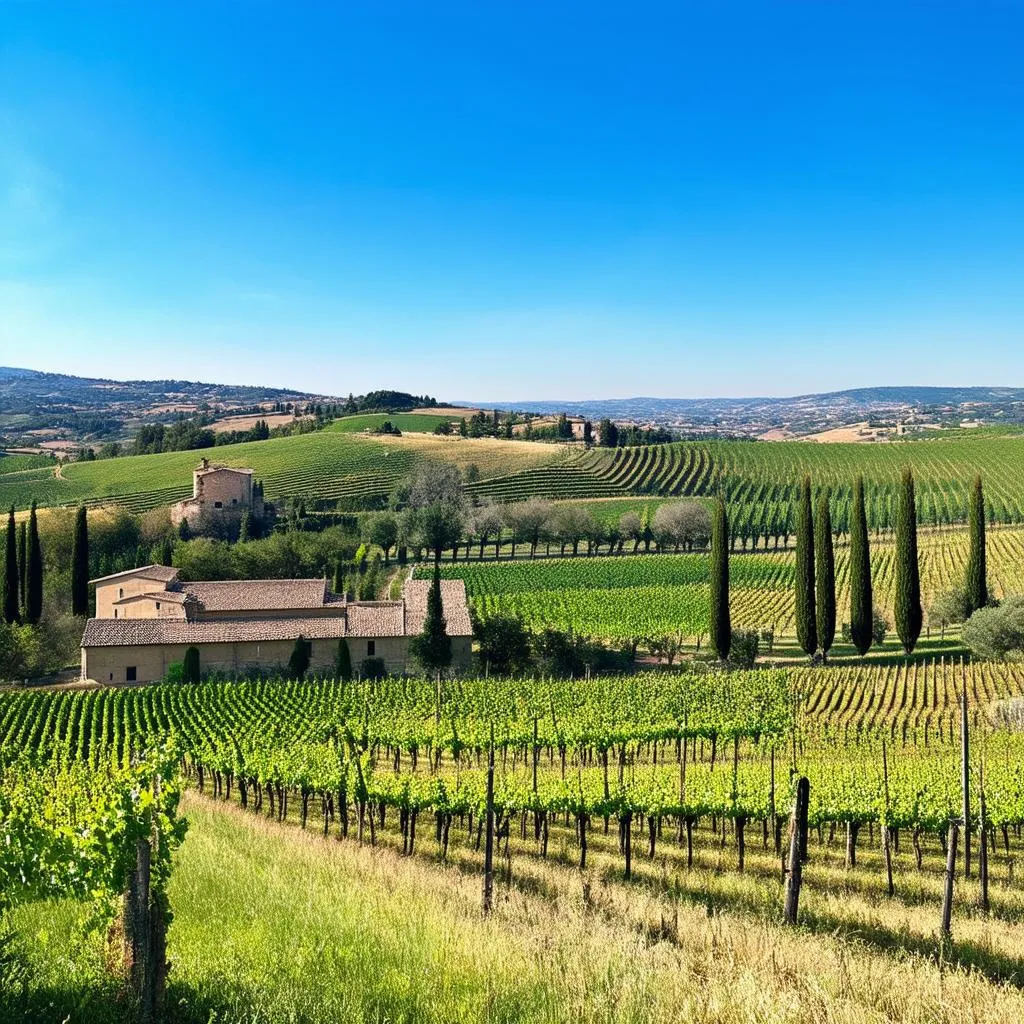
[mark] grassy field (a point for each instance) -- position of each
(273, 924)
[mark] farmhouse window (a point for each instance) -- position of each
(234, 501)
(218, 504)
(130, 674)
(115, 613)
(158, 606)
(120, 593)
(371, 648)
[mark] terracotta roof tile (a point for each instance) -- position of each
(453, 602)
(257, 595)
(164, 573)
(140, 632)
(375, 618)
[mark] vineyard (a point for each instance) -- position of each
(680, 748)
(327, 465)
(678, 781)
(758, 479)
(621, 597)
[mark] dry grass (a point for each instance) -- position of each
(701, 945)
(492, 456)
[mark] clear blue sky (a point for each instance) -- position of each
(515, 200)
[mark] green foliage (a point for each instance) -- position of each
(976, 581)
(191, 671)
(860, 573)
(908, 612)
(997, 633)
(503, 644)
(719, 617)
(34, 578)
(12, 603)
(825, 576)
(298, 661)
(433, 647)
(806, 624)
(743, 648)
(343, 661)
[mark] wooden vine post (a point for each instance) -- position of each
(797, 848)
(947, 893)
(488, 897)
(886, 839)
(145, 926)
(965, 777)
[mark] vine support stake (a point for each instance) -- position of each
(797, 844)
(488, 897)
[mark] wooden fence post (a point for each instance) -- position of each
(947, 895)
(965, 772)
(797, 850)
(488, 896)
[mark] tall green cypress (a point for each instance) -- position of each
(860, 573)
(806, 627)
(80, 564)
(721, 624)
(976, 583)
(23, 562)
(908, 581)
(12, 605)
(825, 579)
(433, 647)
(34, 585)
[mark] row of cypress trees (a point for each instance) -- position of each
(23, 571)
(815, 592)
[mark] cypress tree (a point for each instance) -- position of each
(806, 627)
(976, 583)
(721, 626)
(825, 580)
(433, 647)
(12, 606)
(191, 670)
(860, 573)
(80, 565)
(343, 665)
(908, 580)
(23, 562)
(34, 586)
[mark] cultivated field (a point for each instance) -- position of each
(621, 597)
(636, 867)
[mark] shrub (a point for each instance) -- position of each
(743, 648)
(997, 633)
(372, 668)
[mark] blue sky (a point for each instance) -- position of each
(515, 200)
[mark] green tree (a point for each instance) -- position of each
(825, 578)
(245, 528)
(34, 586)
(383, 532)
(191, 670)
(908, 581)
(806, 626)
(976, 582)
(80, 564)
(721, 625)
(860, 573)
(433, 647)
(23, 563)
(343, 661)
(12, 604)
(298, 663)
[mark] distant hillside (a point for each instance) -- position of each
(37, 407)
(806, 410)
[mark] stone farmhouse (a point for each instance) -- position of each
(146, 618)
(220, 496)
